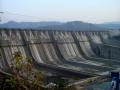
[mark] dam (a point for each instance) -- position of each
(76, 53)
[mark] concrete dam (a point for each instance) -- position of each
(79, 53)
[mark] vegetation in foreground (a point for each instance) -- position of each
(26, 77)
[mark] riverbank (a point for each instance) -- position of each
(83, 84)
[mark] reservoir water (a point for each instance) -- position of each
(101, 86)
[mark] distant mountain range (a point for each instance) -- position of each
(111, 25)
(13, 24)
(73, 25)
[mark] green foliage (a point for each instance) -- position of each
(13, 83)
(25, 76)
(62, 84)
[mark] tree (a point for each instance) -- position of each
(25, 76)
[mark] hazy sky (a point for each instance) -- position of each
(95, 11)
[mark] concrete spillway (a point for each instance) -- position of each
(79, 53)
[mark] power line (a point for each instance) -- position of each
(19, 14)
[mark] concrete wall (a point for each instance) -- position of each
(69, 50)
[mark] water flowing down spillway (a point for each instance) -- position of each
(76, 52)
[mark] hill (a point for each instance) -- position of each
(111, 25)
(73, 25)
